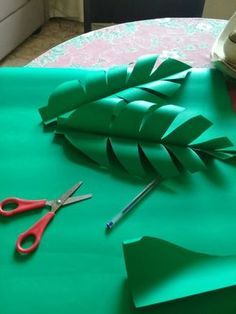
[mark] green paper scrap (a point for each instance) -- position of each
(159, 271)
(122, 82)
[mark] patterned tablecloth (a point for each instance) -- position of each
(186, 39)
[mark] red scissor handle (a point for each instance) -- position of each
(36, 231)
(22, 205)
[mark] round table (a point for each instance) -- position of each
(186, 39)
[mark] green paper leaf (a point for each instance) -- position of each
(122, 82)
(141, 135)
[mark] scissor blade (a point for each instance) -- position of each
(61, 200)
(76, 199)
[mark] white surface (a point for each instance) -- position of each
(10, 6)
(218, 55)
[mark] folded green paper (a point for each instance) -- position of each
(160, 271)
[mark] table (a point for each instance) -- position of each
(79, 267)
(186, 39)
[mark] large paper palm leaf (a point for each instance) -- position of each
(139, 81)
(141, 135)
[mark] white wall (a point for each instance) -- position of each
(220, 9)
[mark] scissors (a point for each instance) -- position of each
(38, 228)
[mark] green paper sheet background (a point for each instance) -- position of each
(79, 268)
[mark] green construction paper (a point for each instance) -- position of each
(159, 158)
(216, 143)
(132, 94)
(165, 88)
(128, 120)
(71, 95)
(68, 93)
(117, 74)
(78, 267)
(170, 69)
(188, 157)
(94, 147)
(141, 71)
(212, 98)
(103, 112)
(187, 131)
(163, 117)
(159, 271)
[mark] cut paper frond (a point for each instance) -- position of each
(141, 81)
(141, 135)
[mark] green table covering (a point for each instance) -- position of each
(79, 267)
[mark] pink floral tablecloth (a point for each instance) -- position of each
(186, 39)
